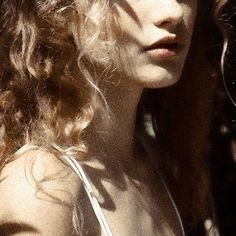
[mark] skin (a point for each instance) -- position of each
(142, 23)
(135, 202)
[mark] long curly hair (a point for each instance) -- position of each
(49, 86)
(50, 55)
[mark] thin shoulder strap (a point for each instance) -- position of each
(92, 198)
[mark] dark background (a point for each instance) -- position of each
(223, 135)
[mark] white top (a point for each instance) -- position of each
(91, 195)
(106, 231)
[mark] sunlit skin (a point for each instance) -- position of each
(132, 197)
(143, 23)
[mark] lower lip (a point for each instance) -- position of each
(163, 53)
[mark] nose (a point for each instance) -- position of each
(167, 13)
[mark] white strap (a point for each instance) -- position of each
(92, 198)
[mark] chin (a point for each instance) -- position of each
(157, 77)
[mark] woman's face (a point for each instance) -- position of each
(154, 39)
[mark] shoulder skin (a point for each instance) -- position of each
(37, 196)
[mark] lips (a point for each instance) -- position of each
(164, 48)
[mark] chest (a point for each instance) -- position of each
(131, 207)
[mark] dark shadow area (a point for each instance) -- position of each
(223, 166)
(8, 229)
(222, 150)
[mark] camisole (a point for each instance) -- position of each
(106, 231)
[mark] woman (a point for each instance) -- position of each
(72, 76)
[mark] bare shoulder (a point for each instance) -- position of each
(38, 192)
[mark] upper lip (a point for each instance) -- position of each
(164, 42)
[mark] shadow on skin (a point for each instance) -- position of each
(99, 176)
(2, 179)
(126, 7)
(8, 229)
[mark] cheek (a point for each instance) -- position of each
(126, 21)
(190, 16)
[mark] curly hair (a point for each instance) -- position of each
(53, 54)
(49, 54)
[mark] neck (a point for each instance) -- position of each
(115, 138)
